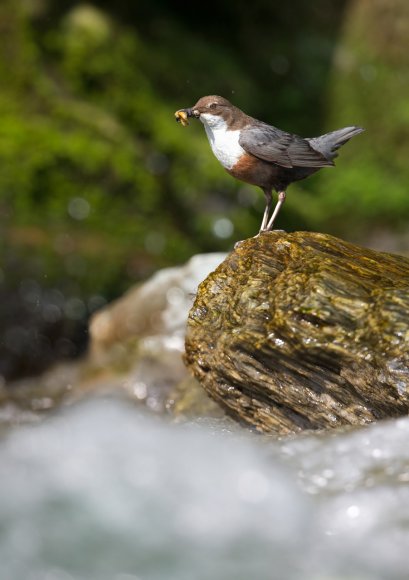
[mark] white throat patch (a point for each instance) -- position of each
(224, 143)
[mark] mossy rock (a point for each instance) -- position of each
(303, 331)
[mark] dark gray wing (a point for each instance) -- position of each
(276, 146)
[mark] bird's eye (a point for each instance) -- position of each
(212, 105)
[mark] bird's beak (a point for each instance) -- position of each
(183, 114)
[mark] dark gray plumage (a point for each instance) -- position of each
(288, 150)
(329, 143)
(275, 146)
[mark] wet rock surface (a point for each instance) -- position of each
(303, 331)
(138, 340)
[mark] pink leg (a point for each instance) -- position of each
(264, 222)
(280, 202)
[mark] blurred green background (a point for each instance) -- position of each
(99, 187)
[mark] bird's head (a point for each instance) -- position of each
(211, 110)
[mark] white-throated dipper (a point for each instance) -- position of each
(261, 154)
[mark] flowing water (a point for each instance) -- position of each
(103, 490)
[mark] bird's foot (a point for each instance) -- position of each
(270, 230)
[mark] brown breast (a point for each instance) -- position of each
(253, 170)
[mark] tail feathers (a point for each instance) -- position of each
(329, 143)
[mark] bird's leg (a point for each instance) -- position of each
(269, 199)
(280, 202)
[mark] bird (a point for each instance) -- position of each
(260, 154)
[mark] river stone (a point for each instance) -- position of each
(302, 330)
(136, 348)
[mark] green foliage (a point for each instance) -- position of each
(93, 165)
(89, 152)
(369, 87)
